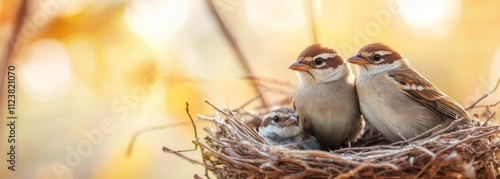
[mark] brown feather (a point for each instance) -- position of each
(370, 49)
(429, 95)
(307, 54)
(316, 49)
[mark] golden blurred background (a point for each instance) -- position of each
(90, 74)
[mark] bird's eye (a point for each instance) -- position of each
(276, 118)
(377, 57)
(318, 61)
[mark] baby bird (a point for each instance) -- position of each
(281, 127)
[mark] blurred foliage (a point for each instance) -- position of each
(137, 63)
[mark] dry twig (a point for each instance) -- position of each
(235, 47)
(473, 105)
(234, 151)
(131, 144)
(13, 40)
(271, 81)
(134, 137)
(248, 102)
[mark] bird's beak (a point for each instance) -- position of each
(357, 60)
(297, 66)
(291, 121)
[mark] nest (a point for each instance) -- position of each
(234, 150)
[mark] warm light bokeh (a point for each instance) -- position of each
(46, 71)
(435, 18)
(92, 73)
(155, 20)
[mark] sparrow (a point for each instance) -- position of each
(396, 99)
(281, 127)
(326, 99)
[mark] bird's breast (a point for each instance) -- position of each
(391, 111)
(330, 111)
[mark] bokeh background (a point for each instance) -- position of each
(90, 74)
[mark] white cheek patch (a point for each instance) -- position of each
(271, 130)
(329, 74)
(305, 78)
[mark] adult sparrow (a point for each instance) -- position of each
(326, 99)
(281, 127)
(396, 99)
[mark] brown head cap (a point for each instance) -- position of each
(378, 53)
(318, 56)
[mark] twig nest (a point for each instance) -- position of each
(233, 150)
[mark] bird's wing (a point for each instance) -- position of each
(421, 90)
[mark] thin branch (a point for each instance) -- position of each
(13, 39)
(134, 138)
(312, 20)
(454, 146)
(272, 81)
(228, 158)
(165, 149)
(216, 108)
(235, 47)
(249, 101)
(285, 101)
(304, 165)
(430, 131)
(203, 159)
(196, 176)
(488, 119)
(447, 128)
(484, 96)
(195, 134)
(352, 173)
(192, 121)
(488, 105)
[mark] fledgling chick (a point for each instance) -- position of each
(396, 99)
(326, 99)
(281, 127)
